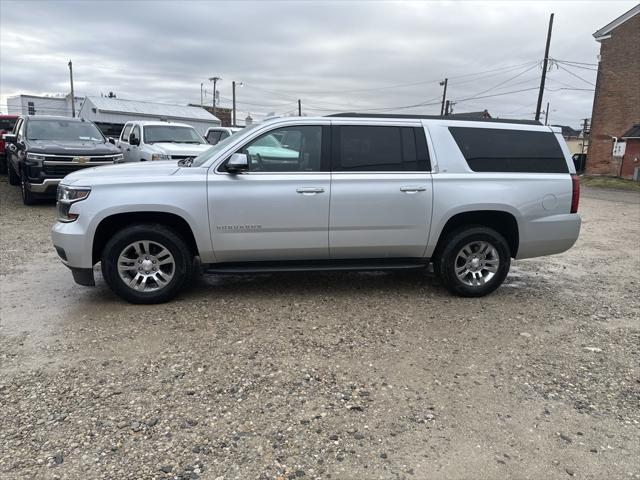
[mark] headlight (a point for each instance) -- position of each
(160, 156)
(35, 158)
(118, 158)
(66, 197)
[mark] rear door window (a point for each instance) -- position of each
(503, 150)
(380, 149)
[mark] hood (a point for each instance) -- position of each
(88, 176)
(68, 147)
(179, 148)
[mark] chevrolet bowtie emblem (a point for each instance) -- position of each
(81, 159)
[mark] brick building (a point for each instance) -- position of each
(224, 114)
(616, 104)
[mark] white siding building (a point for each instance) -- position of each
(41, 105)
(105, 112)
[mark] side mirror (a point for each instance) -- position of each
(133, 140)
(238, 163)
(111, 140)
(10, 138)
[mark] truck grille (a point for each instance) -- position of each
(182, 157)
(63, 170)
(59, 165)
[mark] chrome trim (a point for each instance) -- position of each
(66, 155)
(42, 187)
(75, 164)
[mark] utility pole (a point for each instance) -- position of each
(214, 80)
(73, 98)
(201, 94)
(299, 107)
(544, 68)
(444, 95)
(546, 115)
(233, 116)
(447, 104)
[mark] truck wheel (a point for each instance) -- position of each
(12, 176)
(474, 262)
(28, 197)
(147, 263)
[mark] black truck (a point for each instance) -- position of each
(41, 150)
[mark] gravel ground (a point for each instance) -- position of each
(343, 376)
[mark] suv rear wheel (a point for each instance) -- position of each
(474, 262)
(147, 263)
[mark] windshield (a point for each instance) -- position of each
(63, 130)
(171, 134)
(218, 147)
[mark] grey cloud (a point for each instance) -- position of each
(163, 50)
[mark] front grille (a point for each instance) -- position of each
(182, 157)
(62, 158)
(64, 169)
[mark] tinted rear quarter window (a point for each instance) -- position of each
(503, 150)
(380, 148)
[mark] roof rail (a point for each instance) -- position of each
(434, 117)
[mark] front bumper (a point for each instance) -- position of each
(73, 244)
(48, 186)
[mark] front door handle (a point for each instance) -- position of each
(412, 189)
(310, 190)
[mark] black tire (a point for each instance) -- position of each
(183, 262)
(28, 197)
(448, 260)
(12, 176)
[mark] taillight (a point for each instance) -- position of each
(575, 195)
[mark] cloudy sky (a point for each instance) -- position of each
(334, 56)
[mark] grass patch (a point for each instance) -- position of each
(610, 182)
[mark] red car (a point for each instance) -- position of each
(6, 126)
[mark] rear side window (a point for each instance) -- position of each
(499, 150)
(380, 149)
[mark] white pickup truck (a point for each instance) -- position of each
(142, 141)
(328, 193)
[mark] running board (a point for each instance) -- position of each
(318, 265)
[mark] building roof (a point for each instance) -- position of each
(633, 132)
(471, 115)
(605, 31)
(134, 107)
(569, 132)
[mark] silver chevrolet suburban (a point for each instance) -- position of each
(344, 192)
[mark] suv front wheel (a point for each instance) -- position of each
(474, 262)
(147, 263)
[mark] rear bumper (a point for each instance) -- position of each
(548, 235)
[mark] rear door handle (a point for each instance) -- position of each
(412, 189)
(310, 190)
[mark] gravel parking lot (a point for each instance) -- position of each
(343, 376)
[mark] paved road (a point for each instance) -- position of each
(347, 376)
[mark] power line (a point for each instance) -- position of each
(399, 85)
(577, 76)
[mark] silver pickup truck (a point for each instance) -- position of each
(346, 192)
